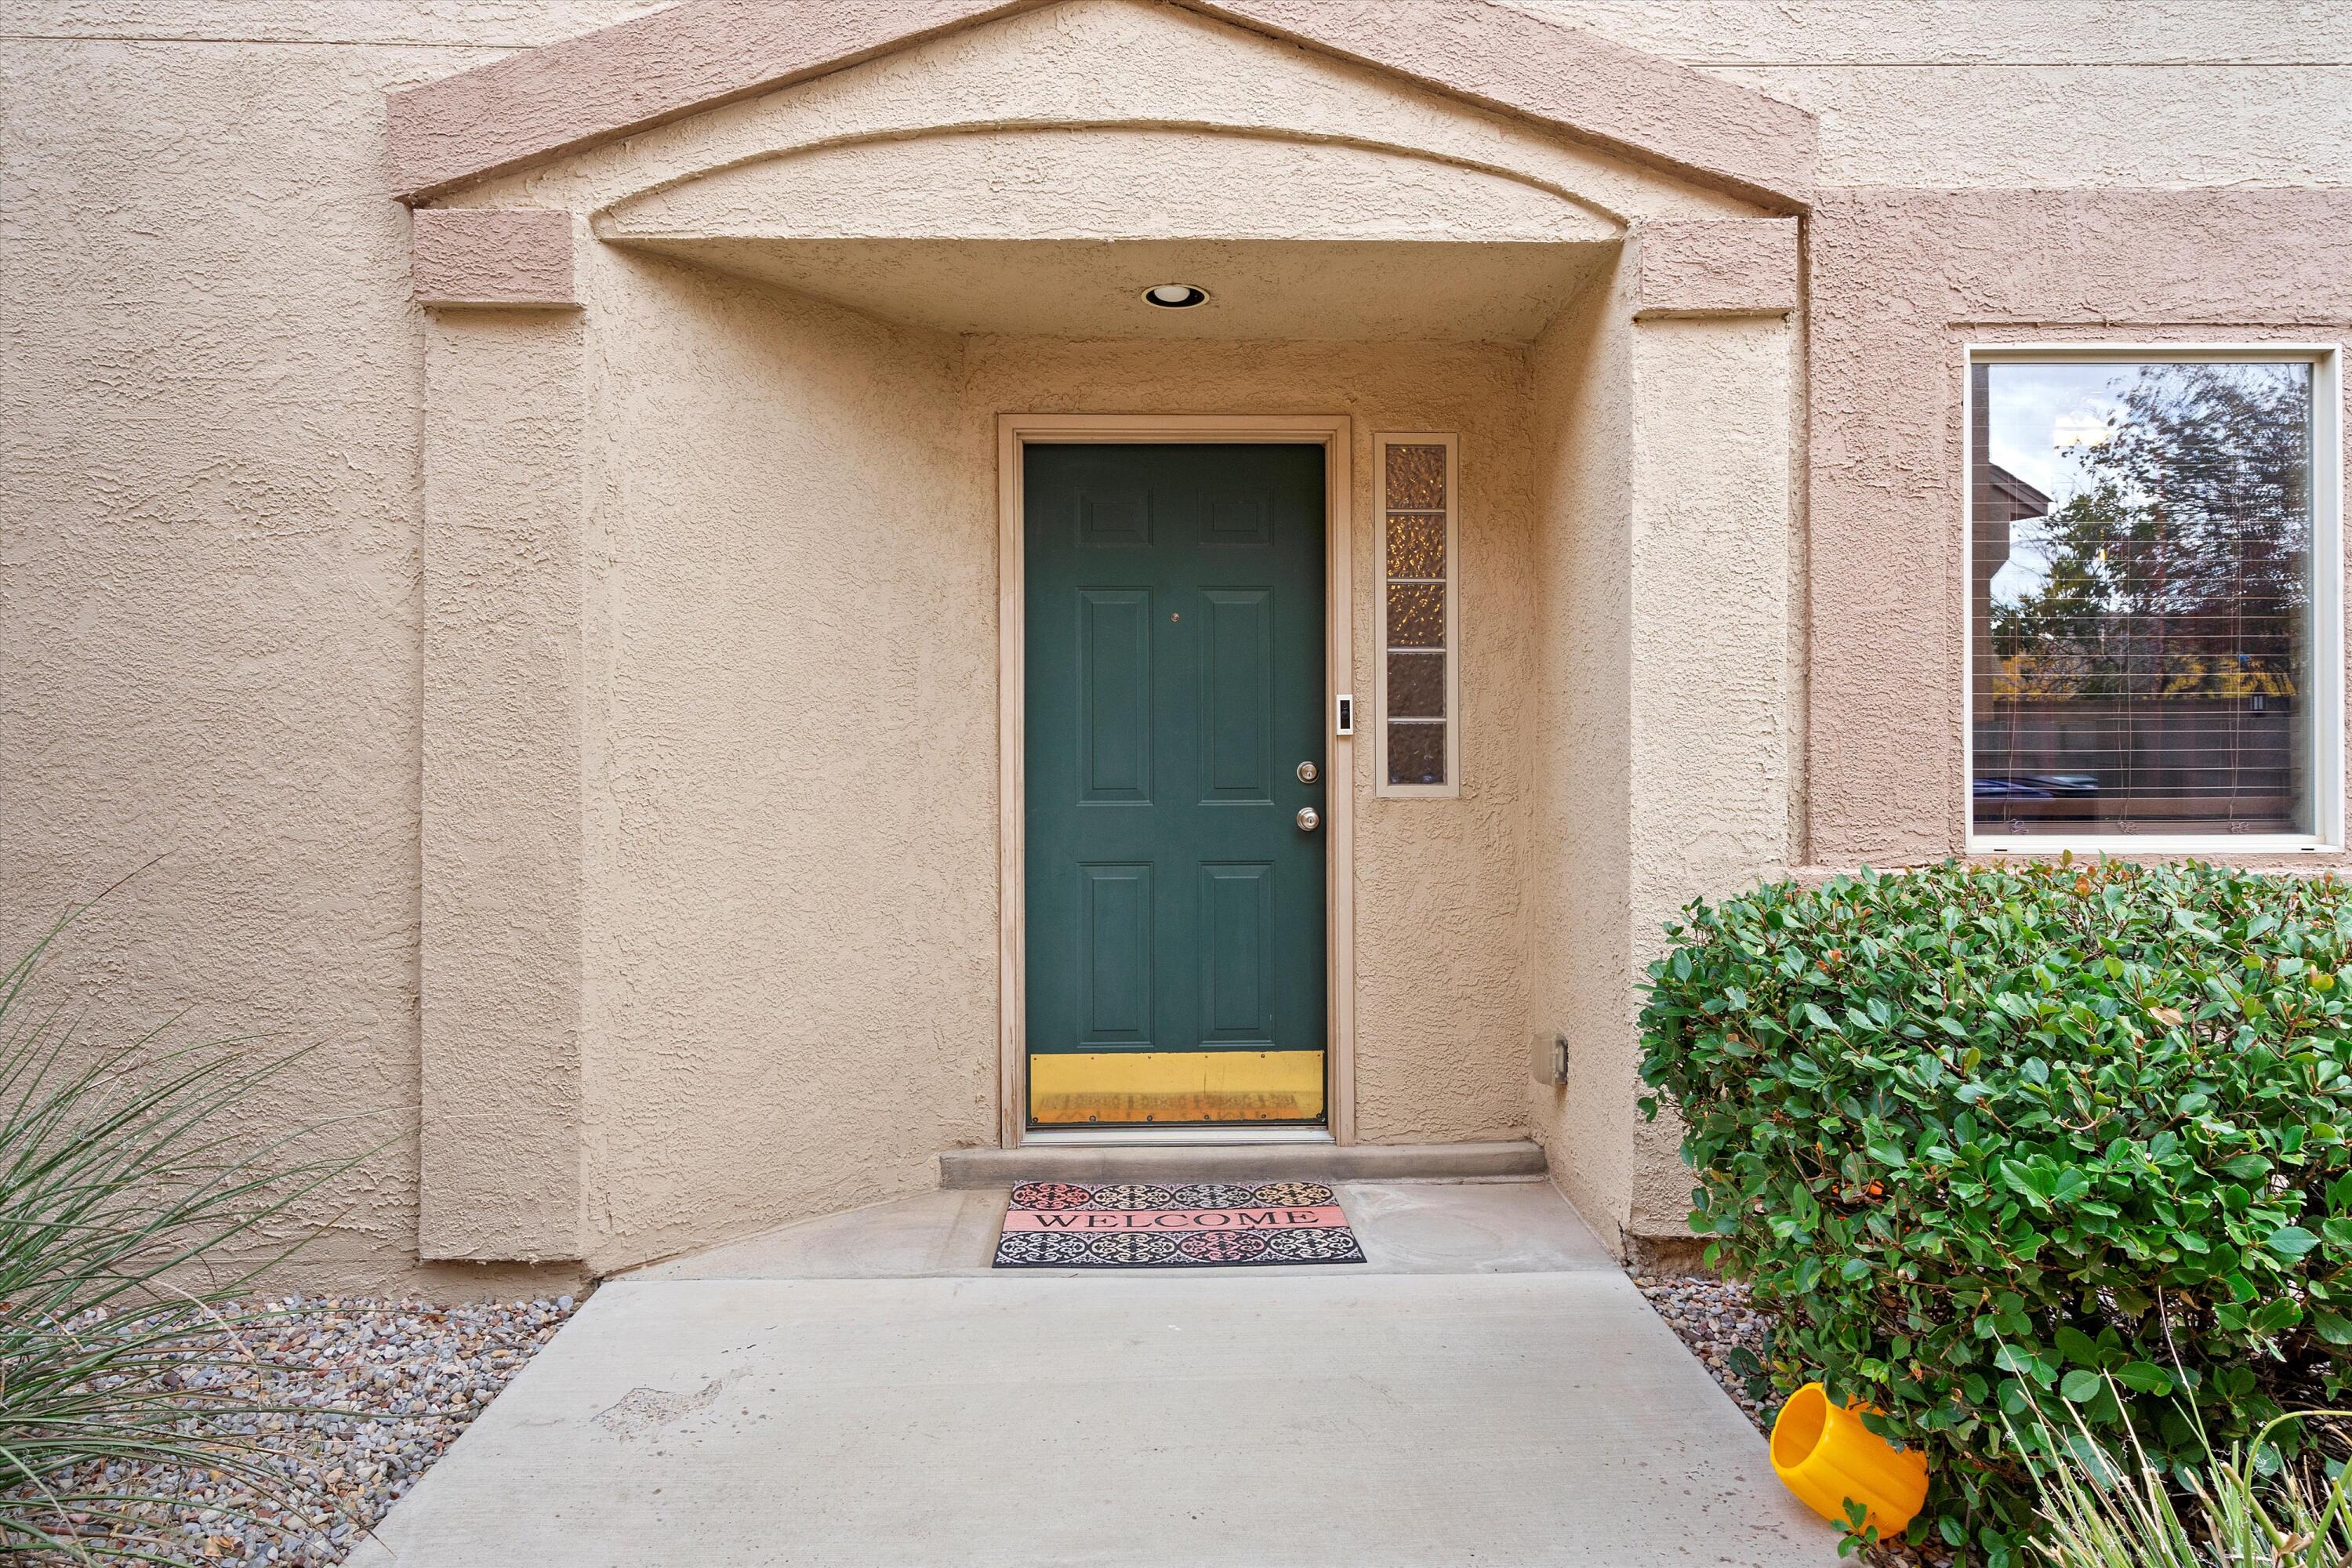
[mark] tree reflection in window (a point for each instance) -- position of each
(2141, 597)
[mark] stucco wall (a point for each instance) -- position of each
(500, 975)
(210, 536)
(1665, 618)
(1579, 943)
(1711, 765)
(789, 771)
(1096, 63)
(790, 751)
(210, 406)
(1958, 93)
(1902, 281)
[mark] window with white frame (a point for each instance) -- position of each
(1419, 672)
(2153, 597)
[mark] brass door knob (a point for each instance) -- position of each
(1309, 819)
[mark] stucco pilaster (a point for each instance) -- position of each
(502, 836)
(1709, 625)
(1665, 412)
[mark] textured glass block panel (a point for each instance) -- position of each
(1416, 615)
(1416, 753)
(1417, 479)
(1417, 684)
(1416, 547)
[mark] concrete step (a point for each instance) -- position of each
(966, 1168)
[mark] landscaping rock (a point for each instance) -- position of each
(377, 1390)
(1713, 1317)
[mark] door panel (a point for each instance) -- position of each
(1111, 516)
(1237, 956)
(1114, 695)
(1175, 909)
(1119, 954)
(1238, 694)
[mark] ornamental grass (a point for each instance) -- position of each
(135, 1210)
(2107, 1506)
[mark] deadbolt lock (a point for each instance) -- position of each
(1306, 773)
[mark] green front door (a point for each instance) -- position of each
(1174, 899)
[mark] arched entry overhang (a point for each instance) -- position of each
(1341, 174)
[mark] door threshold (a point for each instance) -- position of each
(1144, 1136)
(1306, 1154)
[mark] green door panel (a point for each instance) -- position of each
(1116, 931)
(1175, 681)
(1238, 694)
(1114, 696)
(1237, 958)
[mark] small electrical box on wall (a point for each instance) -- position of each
(1347, 715)
(1548, 1062)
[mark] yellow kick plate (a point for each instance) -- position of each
(1137, 1089)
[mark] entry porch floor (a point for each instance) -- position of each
(1490, 1389)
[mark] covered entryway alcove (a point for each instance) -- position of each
(730, 412)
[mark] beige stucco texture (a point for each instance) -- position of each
(1291, 239)
(1664, 767)
(2029, 94)
(1902, 282)
(790, 758)
(791, 780)
(788, 906)
(549, 629)
(210, 377)
(521, 258)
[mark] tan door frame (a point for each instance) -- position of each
(1334, 434)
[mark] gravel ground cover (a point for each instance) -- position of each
(379, 1389)
(1714, 1318)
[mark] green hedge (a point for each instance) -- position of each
(2045, 1136)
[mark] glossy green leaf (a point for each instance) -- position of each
(2292, 1241)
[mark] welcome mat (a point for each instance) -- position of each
(1195, 1225)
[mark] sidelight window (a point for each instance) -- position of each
(2154, 597)
(1420, 673)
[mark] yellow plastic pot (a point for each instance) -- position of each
(1826, 1455)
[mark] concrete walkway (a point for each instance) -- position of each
(862, 1390)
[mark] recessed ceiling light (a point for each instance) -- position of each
(1174, 296)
